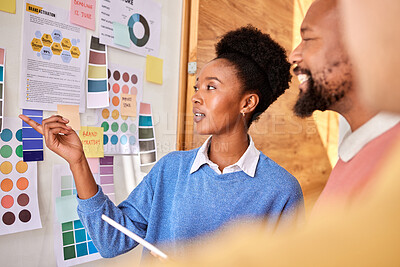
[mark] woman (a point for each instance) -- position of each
(188, 194)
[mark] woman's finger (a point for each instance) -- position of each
(55, 118)
(37, 126)
(51, 125)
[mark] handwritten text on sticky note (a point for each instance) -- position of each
(83, 12)
(92, 141)
(128, 105)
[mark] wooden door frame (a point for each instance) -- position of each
(190, 22)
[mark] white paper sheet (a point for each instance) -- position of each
(53, 59)
(19, 209)
(143, 18)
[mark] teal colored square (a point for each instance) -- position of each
(66, 182)
(92, 248)
(78, 224)
(88, 237)
(67, 226)
(81, 249)
(80, 235)
(1, 74)
(69, 252)
(67, 192)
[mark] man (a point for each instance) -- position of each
(326, 83)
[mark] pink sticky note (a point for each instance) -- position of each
(83, 13)
(94, 164)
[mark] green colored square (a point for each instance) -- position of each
(67, 226)
(68, 238)
(66, 182)
(69, 252)
(67, 192)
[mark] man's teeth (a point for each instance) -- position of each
(199, 114)
(303, 78)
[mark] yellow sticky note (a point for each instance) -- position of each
(7, 6)
(128, 105)
(70, 112)
(154, 69)
(92, 141)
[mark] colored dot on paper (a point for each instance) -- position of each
(105, 126)
(22, 183)
(6, 151)
(125, 77)
(18, 135)
(6, 167)
(109, 74)
(115, 88)
(105, 139)
(6, 135)
(124, 139)
(134, 79)
(115, 114)
(7, 201)
(19, 151)
(125, 89)
(124, 127)
(133, 90)
(105, 113)
(124, 117)
(6, 185)
(116, 75)
(132, 128)
(115, 101)
(8, 218)
(23, 200)
(25, 216)
(21, 167)
(114, 127)
(109, 86)
(132, 140)
(114, 139)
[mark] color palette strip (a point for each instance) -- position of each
(107, 176)
(19, 209)
(2, 76)
(73, 244)
(97, 93)
(32, 141)
(147, 141)
(120, 129)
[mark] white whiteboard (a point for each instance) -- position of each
(36, 247)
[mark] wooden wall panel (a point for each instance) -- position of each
(292, 142)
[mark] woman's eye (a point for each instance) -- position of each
(210, 87)
(195, 88)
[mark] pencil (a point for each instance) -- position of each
(134, 237)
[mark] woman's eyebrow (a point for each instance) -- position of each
(213, 78)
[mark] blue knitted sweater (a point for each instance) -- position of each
(171, 205)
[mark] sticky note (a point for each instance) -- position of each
(92, 141)
(121, 34)
(66, 208)
(71, 112)
(8, 6)
(128, 105)
(83, 13)
(94, 164)
(154, 69)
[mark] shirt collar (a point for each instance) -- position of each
(353, 142)
(247, 163)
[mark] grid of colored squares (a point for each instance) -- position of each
(2, 70)
(76, 241)
(67, 185)
(32, 141)
(97, 95)
(107, 176)
(147, 142)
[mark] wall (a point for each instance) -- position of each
(36, 248)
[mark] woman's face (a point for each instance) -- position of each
(218, 99)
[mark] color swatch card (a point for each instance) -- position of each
(72, 244)
(19, 210)
(120, 132)
(2, 77)
(32, 141)
(107, 176)
(97, 90)
(147, 139)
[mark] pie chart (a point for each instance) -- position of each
(134, 19)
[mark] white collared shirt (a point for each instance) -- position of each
(247, 163)
(353, 142)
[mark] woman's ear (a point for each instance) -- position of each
(250, 103)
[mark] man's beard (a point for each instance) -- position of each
(321, 94)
